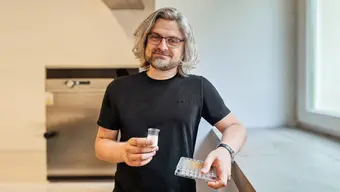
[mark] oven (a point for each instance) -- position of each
(73, 101)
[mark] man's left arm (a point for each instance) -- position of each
(233, 132)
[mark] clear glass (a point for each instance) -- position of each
(153, 134)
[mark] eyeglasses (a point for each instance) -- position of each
(172, 42)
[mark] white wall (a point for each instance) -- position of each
(87, 33)
(39, 33)
(248, 51)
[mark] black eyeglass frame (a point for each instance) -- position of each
(167, 40)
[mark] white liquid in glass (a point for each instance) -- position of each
(154, 139)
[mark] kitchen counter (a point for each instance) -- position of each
(287, 159)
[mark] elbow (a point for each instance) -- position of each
(97, 150)
(242, 130)
(244, 134)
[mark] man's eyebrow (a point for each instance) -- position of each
(155, 33)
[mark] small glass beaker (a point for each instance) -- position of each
(153, 134)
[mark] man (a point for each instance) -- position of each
(166, 97)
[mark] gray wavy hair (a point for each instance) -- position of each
(190, 58)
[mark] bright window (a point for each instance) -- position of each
(324, 63)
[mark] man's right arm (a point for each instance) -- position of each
(107, 147)
(134, 152)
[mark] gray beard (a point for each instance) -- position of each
(163, 65)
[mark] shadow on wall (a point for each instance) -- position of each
(129, 19)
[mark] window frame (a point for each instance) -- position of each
(307, 116)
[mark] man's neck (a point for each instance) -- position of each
(161, 75)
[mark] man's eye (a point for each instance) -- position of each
(154, 37)
(173, 40)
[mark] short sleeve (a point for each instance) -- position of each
(108, 116)
(214, 108)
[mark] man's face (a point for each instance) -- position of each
(165, 45)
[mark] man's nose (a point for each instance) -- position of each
(162, 45)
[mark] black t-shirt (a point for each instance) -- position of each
(134, 103)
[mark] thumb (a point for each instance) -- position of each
(207, 163)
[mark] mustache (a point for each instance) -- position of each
(166, 53)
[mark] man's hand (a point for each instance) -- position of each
(221, 159)
(138, 152)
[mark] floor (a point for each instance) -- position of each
(76, 187)
(59, 187)
(280, 160)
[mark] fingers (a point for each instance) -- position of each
(222, 178)
(218, 184)
(222, 171)
(138, 149)
(207, 163)
(222, 181)
(138, 141)
(140, 157)
(139, 152)
(139, 163)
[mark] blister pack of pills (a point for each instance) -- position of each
(191, 168)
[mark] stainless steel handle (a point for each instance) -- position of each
(72, 83)
(50, 134)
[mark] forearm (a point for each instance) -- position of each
(234, 136)
(109, 150)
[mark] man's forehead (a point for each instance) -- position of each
(167, 28)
